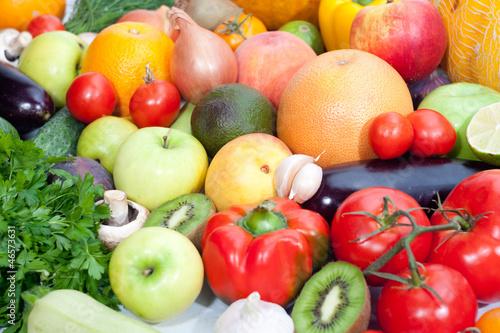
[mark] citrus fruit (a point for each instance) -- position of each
(18, 14)
(306, 31)
(229, 111)
(489, 322)
(242, 171)
(329, 104)
(278, 12)
(121, 52)
(483, 134)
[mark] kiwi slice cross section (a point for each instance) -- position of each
(334, 300)
(187, 214)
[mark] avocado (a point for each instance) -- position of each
(59, 136)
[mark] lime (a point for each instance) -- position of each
(306, 31)
(229, 111)
(483, 134)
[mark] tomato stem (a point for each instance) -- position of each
(149, 78)
(235, 26)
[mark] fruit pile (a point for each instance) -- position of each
(314, 165)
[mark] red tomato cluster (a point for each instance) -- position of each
(423, 133)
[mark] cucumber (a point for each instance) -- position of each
(7, 128)
(59, 136)
(67, 310)
(421, 178)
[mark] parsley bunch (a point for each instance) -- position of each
(48, 232)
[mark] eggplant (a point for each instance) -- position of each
(23, 102)
(421, 178)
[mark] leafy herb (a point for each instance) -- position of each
(95, 15)
(48, 232)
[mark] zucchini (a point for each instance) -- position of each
(67, 310)
(420, 178)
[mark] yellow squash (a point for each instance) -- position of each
(335, 21)
(275, 13)
(473, 32)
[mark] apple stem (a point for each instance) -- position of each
(390, 1)
(148, 271)
(165, 139)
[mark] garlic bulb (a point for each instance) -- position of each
(298, 177)
(254, 315)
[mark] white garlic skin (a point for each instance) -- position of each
(286, 171)
(306, 183)
(251, 315)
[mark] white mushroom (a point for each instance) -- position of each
(126, 217)
(12, 43)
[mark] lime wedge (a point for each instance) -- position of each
(483, 134)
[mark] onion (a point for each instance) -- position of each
(157, 18)
(208, 14)
(422, 88)
(200, 59)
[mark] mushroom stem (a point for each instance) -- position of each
(118, 207)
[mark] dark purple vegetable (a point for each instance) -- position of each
(23, 102)
(422, 178)
(422, 88)
(82, 165)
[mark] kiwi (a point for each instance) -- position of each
(187, 214)
(335, 299)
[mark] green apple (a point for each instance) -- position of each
(53, 60)
(156, 273)
(183, 121)
(101, 138)
(459, 102)
(156, 164)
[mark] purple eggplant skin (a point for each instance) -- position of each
(23, 102)
(421, 178)
(80, 165)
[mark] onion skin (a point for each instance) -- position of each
(157, 18)
(420, 89)
(200, 60)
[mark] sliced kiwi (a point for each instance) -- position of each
(335, 299)
(187, 214)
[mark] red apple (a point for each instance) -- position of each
(267, 61)
(409, 34)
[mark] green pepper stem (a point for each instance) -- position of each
(263, 219)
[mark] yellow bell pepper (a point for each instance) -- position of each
(335, 21)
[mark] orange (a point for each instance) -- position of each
(18, 14)
(472, 53)
(276, 13)
(121, 52)
(489, 322)
(329, 103)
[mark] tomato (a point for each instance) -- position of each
(401, 308)
(347, 228)
(372, 331)
(433, 134)
(474, 251)
(155, 103)
(489, 322)
(390, 135)
(90, 96)
(238, 28)
(44, 23)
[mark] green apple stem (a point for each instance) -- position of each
(165, 139)
(148, 271)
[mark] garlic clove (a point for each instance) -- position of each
(287, 170)
(306, 183)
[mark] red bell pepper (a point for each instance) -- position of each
(272, 248)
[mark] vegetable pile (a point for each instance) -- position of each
(48, 232)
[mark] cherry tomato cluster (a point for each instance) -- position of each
(423, 133)
(433, 271)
